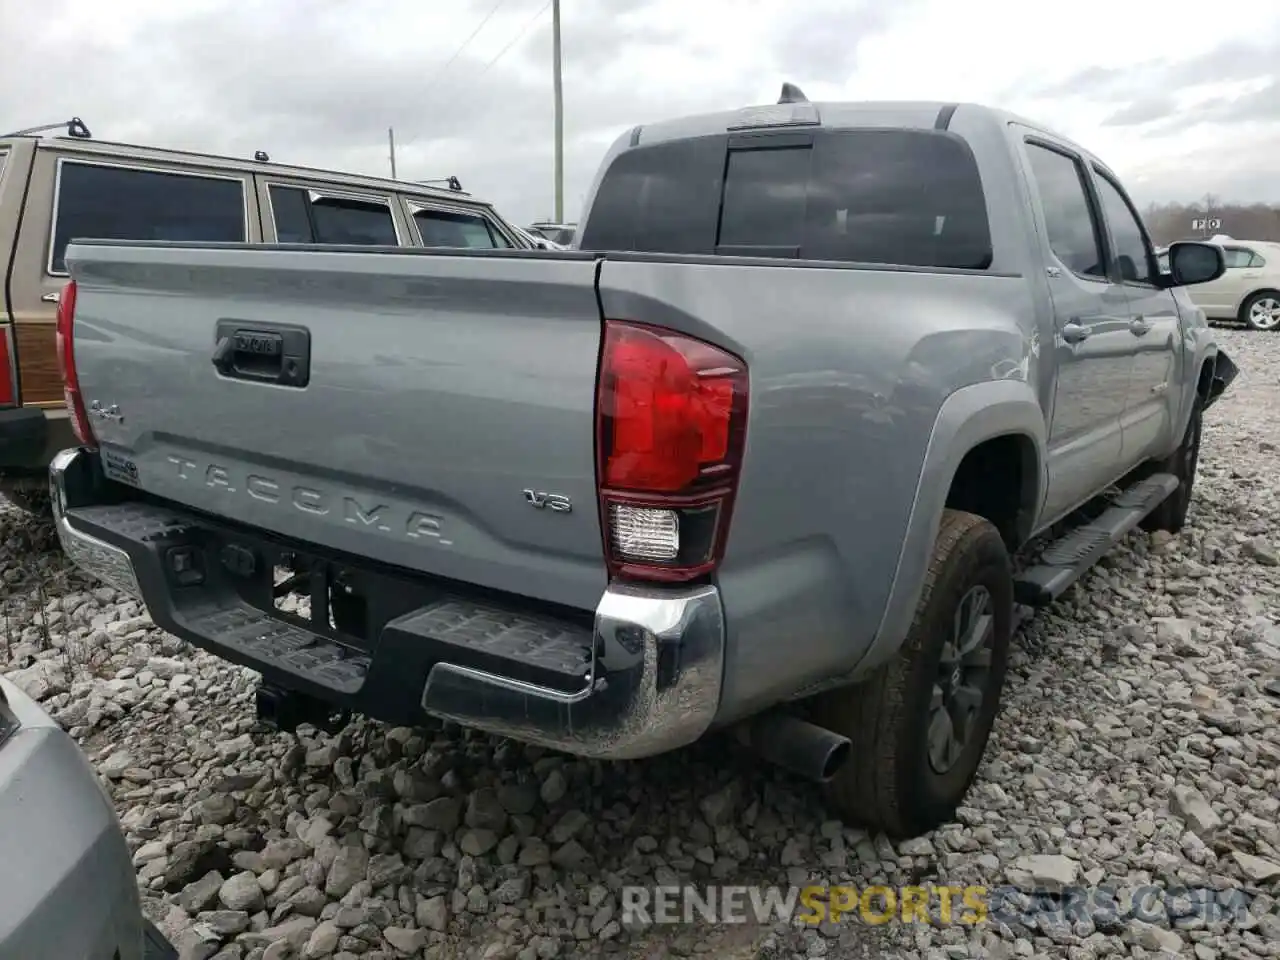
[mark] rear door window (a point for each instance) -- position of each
(309, 216)
(1238, 258)
(891, 196)
(98, 202)
(448, 228)
(1073, 231)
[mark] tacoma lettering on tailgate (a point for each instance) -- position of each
(366, 515)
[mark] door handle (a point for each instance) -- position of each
(1139, 326)
(51, 298)
(265, 353)
(1073, 331)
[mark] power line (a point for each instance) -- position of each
(465, 43)
(457, 53)
(514, 40)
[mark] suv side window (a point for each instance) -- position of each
(1133, 256)
(305, 216)
(1238, 258)
(3, 156)
(1073, 231)
(100, 202)
(447, 228)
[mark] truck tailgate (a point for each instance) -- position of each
(440, 389)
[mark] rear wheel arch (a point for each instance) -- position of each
(1004, 411)
(999, 479)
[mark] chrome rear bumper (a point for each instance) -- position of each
(643, 678)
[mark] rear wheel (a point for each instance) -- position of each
(920, 724)
(1262, 310)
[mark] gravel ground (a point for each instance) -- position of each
(1137, 746)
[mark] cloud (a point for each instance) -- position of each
(1233, 60)
(1142, 111)
(318, 82)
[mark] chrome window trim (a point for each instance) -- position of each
(372, 198)
(417, 206)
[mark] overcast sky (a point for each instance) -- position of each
(1179, 104)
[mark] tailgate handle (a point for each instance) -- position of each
(263, 353)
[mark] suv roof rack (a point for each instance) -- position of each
(76, 129)
(453, 183)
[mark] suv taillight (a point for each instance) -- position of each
(8, 384)
(67, 366)
(671, 419)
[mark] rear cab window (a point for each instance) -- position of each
(896, 196)
(119, 201)
(438, 227)
(302, 214)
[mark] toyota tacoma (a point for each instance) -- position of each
(758, 456)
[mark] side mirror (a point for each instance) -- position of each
(1191, 262)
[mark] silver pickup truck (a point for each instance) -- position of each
(755, 458)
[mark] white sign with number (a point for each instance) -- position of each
(1211, 224)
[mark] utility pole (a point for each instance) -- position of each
(391, 141)
(559, 95)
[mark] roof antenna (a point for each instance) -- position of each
(792, 94)
(261, 156)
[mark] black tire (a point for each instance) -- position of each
(890, 783)
(1171, 515)
(1254, 323)
(30, 499)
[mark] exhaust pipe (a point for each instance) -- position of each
(796, 745)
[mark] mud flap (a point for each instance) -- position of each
(1224, 371)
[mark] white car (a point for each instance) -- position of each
(1249, 289)
(537, 240)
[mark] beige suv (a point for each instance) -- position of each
(1249, 289)
(53, 190)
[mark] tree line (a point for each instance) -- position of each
(1174, 221)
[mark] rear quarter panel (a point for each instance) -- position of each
(849, 369)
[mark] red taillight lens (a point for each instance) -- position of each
(671, 415)
(67, 366)
(8, 388)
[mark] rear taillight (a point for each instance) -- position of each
(8, 387)
(671, 417)
(67, 366)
